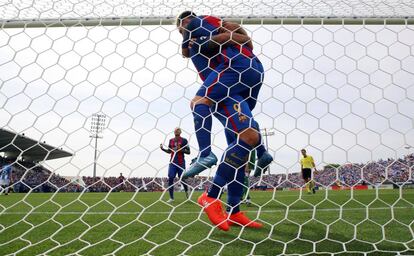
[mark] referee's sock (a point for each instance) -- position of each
(308, 186)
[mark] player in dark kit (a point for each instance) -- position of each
(232, 75)
(225, 85)
(121, 180)
(177, 147)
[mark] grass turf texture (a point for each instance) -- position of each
(344, 222)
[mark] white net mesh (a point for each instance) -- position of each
(343, 92)
(147, 8)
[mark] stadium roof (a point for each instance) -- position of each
(18, 145)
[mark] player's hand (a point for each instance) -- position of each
(191, 43)
(186, 53)
(161, 146)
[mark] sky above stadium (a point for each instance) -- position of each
(345, 93)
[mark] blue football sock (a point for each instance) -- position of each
(202, 126)
(171, 187)
(234, 159)
(235, 192)
(215, 190)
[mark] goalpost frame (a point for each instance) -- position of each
(139, 21)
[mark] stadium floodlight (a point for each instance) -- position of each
(408, 148)
(97, 126)
(266, 133)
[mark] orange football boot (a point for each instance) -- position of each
(214, 210)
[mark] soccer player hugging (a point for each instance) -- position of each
(232, 76)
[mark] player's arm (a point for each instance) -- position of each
(185, 51)
(231, 27)
(315, 170)
(186, 149)
(314, 166)
(186, 33)
(212, 44)
(165, 150)
(231, 38)
(228, 26)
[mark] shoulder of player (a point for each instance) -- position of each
(309, 158)
(205, 17)
(212, 20)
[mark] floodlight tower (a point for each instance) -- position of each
(97, 126)
(266, 133)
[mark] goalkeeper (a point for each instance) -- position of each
(229, 79)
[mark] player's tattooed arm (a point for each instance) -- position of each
(231, 27)
(228, 26)
(212, 44)
(231, 38)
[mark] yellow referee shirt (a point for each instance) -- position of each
(307, 162)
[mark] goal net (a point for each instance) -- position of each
(90, 89)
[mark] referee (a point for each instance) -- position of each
(307, 164)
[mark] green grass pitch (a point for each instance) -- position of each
(374, 222)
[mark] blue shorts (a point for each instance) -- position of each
(235, 115)
(227, 81)
(174, 170)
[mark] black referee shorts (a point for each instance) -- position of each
(306, 173)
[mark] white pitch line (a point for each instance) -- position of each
(196, 212)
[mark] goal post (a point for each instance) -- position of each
(338, 82)
(143, 21)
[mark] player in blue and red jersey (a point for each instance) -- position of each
(177, 147)
(232, 81)
(211, 60)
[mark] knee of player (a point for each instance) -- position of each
(250, 136)
(200, 100)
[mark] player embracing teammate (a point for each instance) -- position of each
(232, 77)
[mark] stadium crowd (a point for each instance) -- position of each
(29, 176)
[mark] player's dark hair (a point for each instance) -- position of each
(184, 15)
